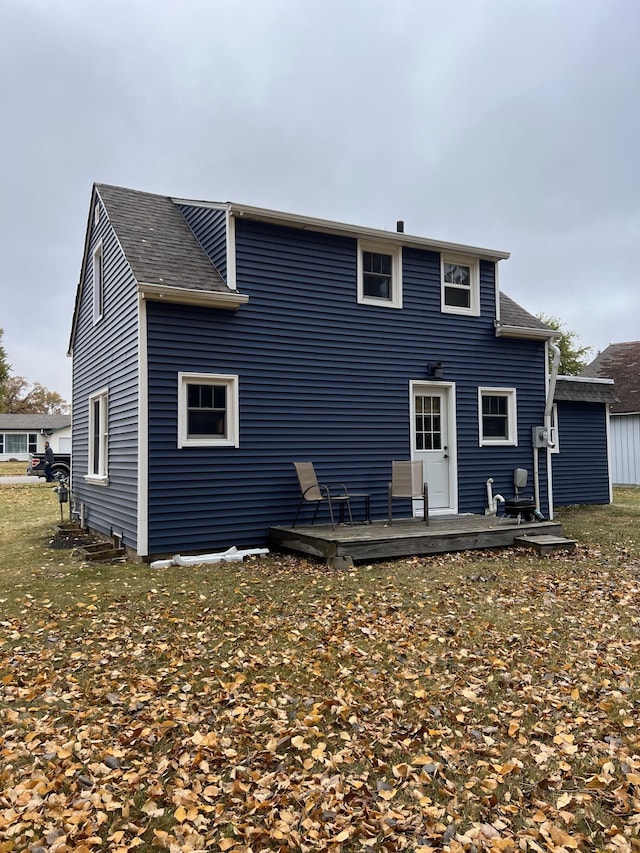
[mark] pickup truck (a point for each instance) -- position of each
(61, 464)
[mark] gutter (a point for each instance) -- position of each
(213, 299)
(505, 331)
(328, 226)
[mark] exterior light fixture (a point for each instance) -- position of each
(436, 371)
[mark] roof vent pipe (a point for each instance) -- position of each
(400, 226)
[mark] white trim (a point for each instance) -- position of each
(98, 287)
(395, 253)
(331, 227)
(505, 331)
(142, 527)
(473, 290)
(497, 291)
(587, 379)
(417, 386)
(185, 296)
(230, 381)
(232, 277)
(609, 461)
(96, 213)
(100, 476)
(512, 416)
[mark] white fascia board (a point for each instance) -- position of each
(590, 379)
(504, 331)
(185, 296)
(328, 226)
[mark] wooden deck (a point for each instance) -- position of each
(406, 537)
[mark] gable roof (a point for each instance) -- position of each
(583, 389)
(34, 422)
(620, 362)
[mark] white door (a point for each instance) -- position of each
(431, 442)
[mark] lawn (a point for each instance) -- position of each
(478, 701)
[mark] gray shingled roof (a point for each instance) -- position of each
(620, 362)
(34, 422)
(158, 243)
(512, 314)
(582, 391)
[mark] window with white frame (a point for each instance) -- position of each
(208, 410)
(26, 442)
(98, 436)
(497, 416)
(460, 286)
(98, 282)
(379, 274)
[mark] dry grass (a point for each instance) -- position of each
(487, 700)
(11, 469)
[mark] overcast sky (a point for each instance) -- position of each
(509, 124)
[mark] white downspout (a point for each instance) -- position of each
(551, 390)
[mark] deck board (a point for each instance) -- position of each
(406, 537)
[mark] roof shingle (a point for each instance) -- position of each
(158, 243)
(620, 362)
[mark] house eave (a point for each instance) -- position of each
(328, 226)
(505, 331)
(183, 296)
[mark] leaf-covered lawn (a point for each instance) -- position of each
(479, 701)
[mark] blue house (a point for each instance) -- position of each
(215, 343)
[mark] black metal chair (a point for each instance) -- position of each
(311, 491)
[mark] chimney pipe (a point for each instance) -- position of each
(400, 226)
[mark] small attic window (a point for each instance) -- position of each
(96, 214)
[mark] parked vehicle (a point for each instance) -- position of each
(61, 464)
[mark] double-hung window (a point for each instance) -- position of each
(207, 410)
(379, 274)
(497, 416)
(460, 286)
(98, 436)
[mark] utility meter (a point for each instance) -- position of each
(540, 436)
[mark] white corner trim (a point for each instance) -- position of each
(142, 523)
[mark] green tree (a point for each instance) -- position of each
(5, 367)
(573, 358)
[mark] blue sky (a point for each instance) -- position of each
(511, 125)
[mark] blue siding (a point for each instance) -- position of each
(105, 355)
(209, 227)
(580, 468)
(321, 378)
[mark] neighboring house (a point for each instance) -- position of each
(21, 435)
(214, 343)
(621, 362)
(580, 434)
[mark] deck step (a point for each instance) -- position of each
(545, 543)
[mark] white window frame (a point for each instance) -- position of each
(230, 381)
(473, 290)
(395, 252)
(98, 282)
(101, 475)
(512, 417)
